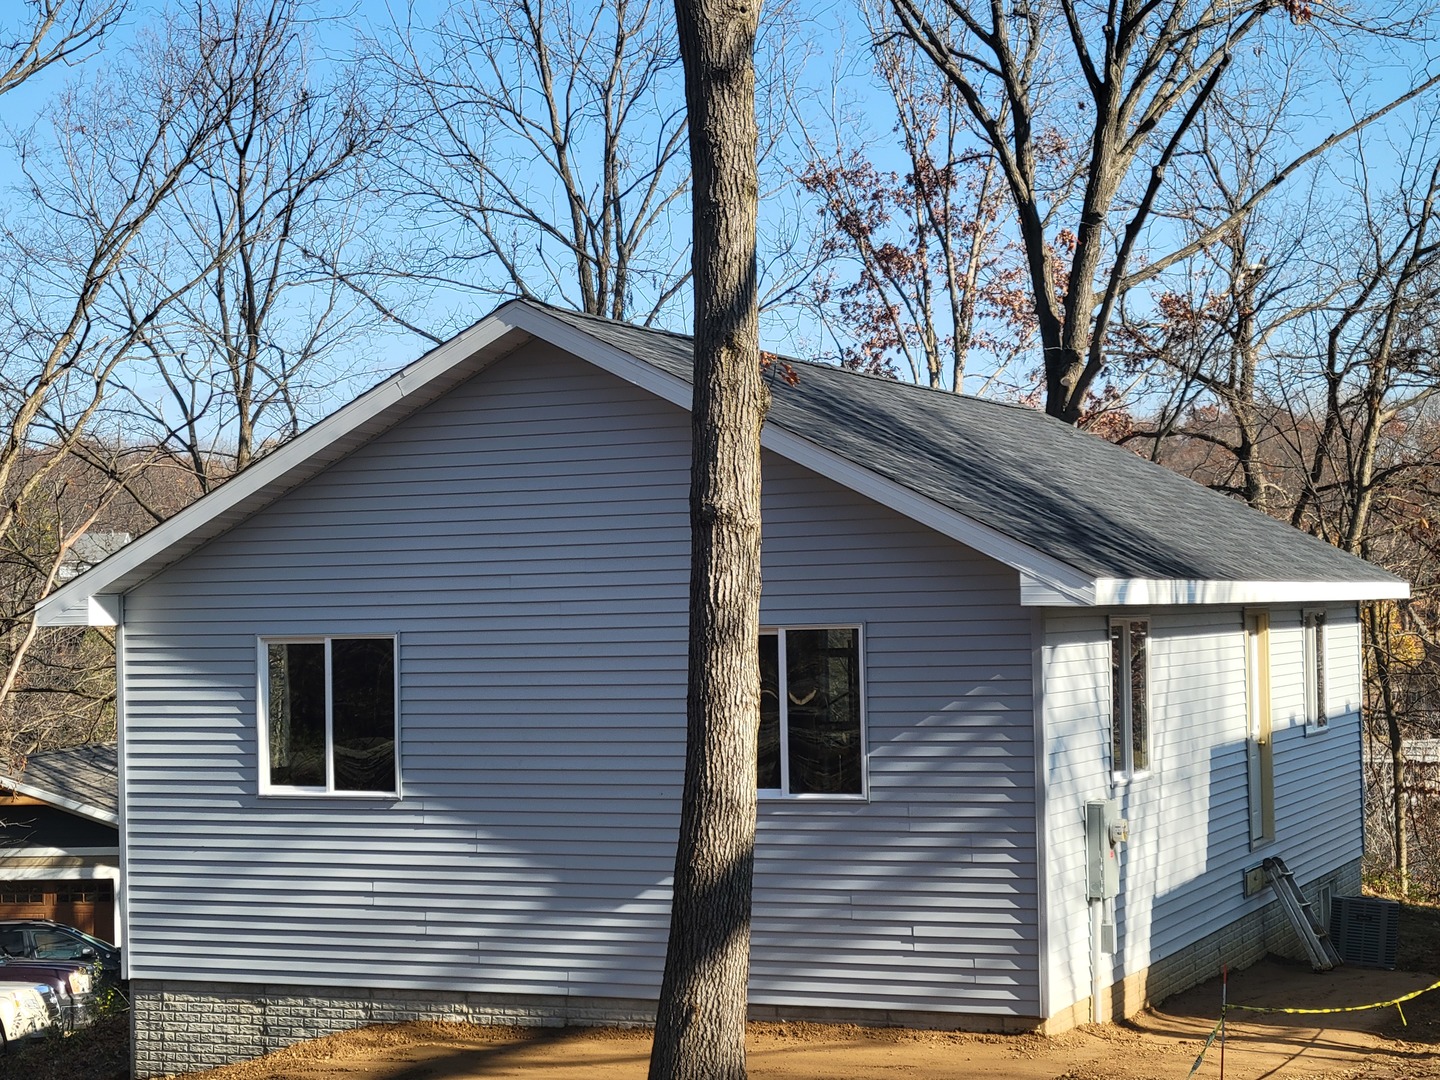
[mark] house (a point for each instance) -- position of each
(59, 841)
(403, 709)
(88, 549)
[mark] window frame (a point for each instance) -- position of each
(782, 793)
(1259, 727)
(262, 710)
(1124, 770)
(1315, 647)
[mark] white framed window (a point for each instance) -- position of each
(1259, 741)
(329, 722)
(1129, 697)
(1317, 716)
(812, 727)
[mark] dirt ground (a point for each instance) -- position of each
(1373, 1045)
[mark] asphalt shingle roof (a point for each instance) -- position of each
(1089, 503)
(83, 774)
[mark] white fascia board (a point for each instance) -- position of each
(75, 806)
(97, 872)
(1062, 583)
(92, 598)
(1139, 592)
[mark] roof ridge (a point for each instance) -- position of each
(823, 365)
(590, 317)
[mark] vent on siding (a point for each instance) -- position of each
(1365, 930)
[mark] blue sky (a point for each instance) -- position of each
(832, 39)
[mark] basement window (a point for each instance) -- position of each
(811, 727)
(329, 719)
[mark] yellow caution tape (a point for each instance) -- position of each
(1200, 1058)
(1220, 1024)
(1396, 1002)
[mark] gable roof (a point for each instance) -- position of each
(1084, 522)
(81, 779)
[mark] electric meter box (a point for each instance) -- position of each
(1105, 829)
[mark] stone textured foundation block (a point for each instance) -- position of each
(183, 1026)
(1237, 946)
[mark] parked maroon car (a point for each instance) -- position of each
(41, 939)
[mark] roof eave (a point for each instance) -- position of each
(93, 598)
(1152, 592)
(74, 806)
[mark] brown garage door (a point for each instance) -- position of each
(87, 905)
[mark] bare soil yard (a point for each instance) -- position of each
(1162, 1043)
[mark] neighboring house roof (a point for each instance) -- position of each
(1084, 522)
(81, 779)
(1417, 752)
(89, 550)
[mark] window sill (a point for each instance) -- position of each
(1121, 780)
(783, 797)
(316, 793)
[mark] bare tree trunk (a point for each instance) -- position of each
(700, 1021)
(1397, 794)
(1150, 70)
(1379, 623)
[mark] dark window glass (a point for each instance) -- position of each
(12, 942)
(50, 945)
(1129, 701)
(767, 772)
(822, 687)
(297, 714)
(1139, 720)
(1322, 717)
(1119, 680)
(363, 716)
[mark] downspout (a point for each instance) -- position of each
(1097, 958)
(1040, 757)
(122, 887)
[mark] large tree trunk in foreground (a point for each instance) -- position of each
(700, 1022)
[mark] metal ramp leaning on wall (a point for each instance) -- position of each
(1315, 938)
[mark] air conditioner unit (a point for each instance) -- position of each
(1365, 930)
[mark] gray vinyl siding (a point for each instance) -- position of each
(526, 540)
(1076, 662)
(1319, 795)
(1189, 818)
